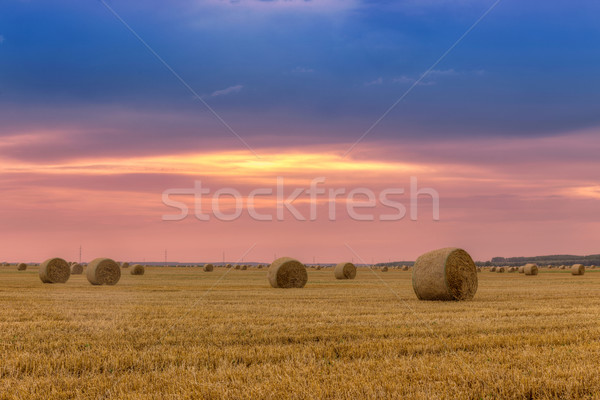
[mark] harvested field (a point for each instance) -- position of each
(166, 337)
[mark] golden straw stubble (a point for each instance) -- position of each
(445, 274)
(286, 272)
(344, 270)
(103, 271)
(55, 270)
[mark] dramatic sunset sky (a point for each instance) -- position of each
(94, 127)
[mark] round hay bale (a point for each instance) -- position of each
(125, 265)
(493, 269)
(138, 269)
(318, 267)
(521, 269)
(500, 270)
(577, 269)
(384, 269)
(286, 273)
(563, 267)
(478, 269)
(76, 269)
(260, 266)
(244, 267)
(228, 266)
(344, 270)
(208, 268)
(103, 271)
(530, 269)
(405, 268)
(445, 274)
(55, 270)
(21, 267)
(237, 267)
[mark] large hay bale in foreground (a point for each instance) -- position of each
(55, 270)
(103, 271)
(138, 269)
(577, 269)
(445, 274)
(208, 268)
(344, 270)
(76, 269)
(21, 267)
(285, 272)
(530, 269)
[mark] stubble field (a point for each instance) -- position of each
(184, 333)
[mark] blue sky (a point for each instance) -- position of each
(526, 69)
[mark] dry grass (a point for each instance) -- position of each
(166, 337)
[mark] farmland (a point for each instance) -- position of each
(185, 333)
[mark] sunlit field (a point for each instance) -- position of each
(185, 333)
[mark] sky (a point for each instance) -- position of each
(105, 106)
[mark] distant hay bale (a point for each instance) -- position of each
(208, 268)
(228, 266)
(563, 267)
(125, 265)
(344, 270)
(511, 269)
(21, 267)
(478, 269)
(577, 269)
(55, 270)
(500, 270)
(522, 269)
(318, 267)
(103, 271)
(405, 268)
(260, 266)
(445, 274)
(384, 269)
(286, 273)
(530, 269)
(237, 267)
(138, 270)
(493, 269)
(244, 267)
(592, 267)
(76, 269)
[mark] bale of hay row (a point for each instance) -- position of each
(103, 271)
(530, 269)
(577, 269)
(138, 269)
(54, 270)
(21, 267)
(285, 272)
(445, 274)
(76, 269)
(208, 268)
(344, 270)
